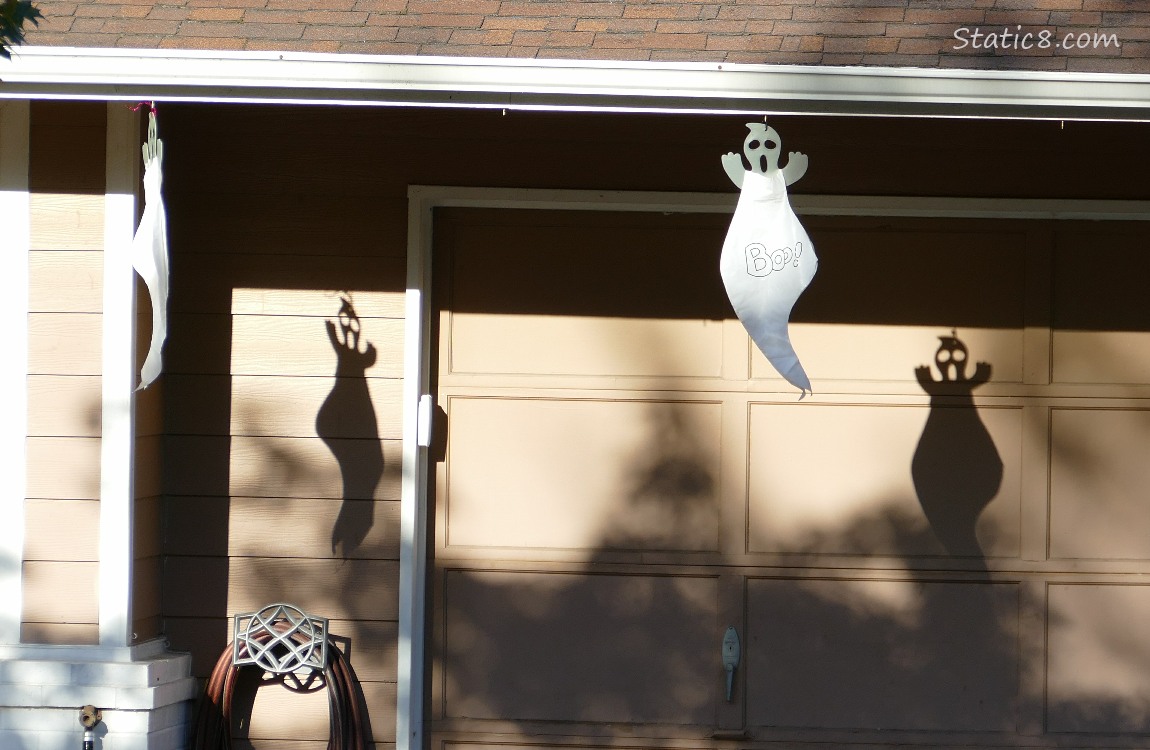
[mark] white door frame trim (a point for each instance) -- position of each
(422, 202)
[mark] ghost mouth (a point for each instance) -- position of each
(763, 164)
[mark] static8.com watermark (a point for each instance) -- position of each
(1017, 39)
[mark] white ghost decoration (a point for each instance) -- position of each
(150, 252)
(768, 259)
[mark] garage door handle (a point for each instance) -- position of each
(730, 658)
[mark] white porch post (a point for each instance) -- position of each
(14, 231)
(143, 689)
(117, 444)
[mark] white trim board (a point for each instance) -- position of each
(117, 381)
(15, 229)
(568, 85)
(413, 487)
(422, 202)
(38, 652)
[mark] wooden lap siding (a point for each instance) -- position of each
(284, 465)
(60, 559)
(67, 204)
(146, 565)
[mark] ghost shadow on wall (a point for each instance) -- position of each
(347, 424)
(956, 468)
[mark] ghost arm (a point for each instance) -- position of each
(796, 167)
(733, 165)
(981, 374)
(926, 380)
(332, 335)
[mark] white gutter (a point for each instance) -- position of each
(306, 78)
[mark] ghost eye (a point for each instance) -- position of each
(753, 144)
(771, 145)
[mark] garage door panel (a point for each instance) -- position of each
(885, 294)
(584, 346)
(586, 295)
(857, 654)
(913, 273)
(907, 481)
(583, 474)
(616, 265)
(1098, 677)
(575, 647)
(846, 351)
(1101, 357)
(1101, 319)
(620, 485)
(1099, 507)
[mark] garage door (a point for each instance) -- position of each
(945, 545)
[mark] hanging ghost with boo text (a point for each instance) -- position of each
(767, 259)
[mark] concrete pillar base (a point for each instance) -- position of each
(144, 692)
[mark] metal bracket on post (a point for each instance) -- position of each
(280, 638)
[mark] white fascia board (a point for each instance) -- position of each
(569, 85)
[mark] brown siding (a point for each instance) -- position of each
(67, 233)
(850, 32)
(67, 147)
(270, 205)
(147, 485)
(283, 467)
(66, 177)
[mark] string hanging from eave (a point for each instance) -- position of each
(150, 248)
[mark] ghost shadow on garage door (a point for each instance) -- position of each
(931, 648)
(956, 468)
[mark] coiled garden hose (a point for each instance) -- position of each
(347, 714)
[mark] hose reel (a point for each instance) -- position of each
(281, 639)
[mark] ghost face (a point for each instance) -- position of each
(762, 148)
(348, 320)
(951, 359)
